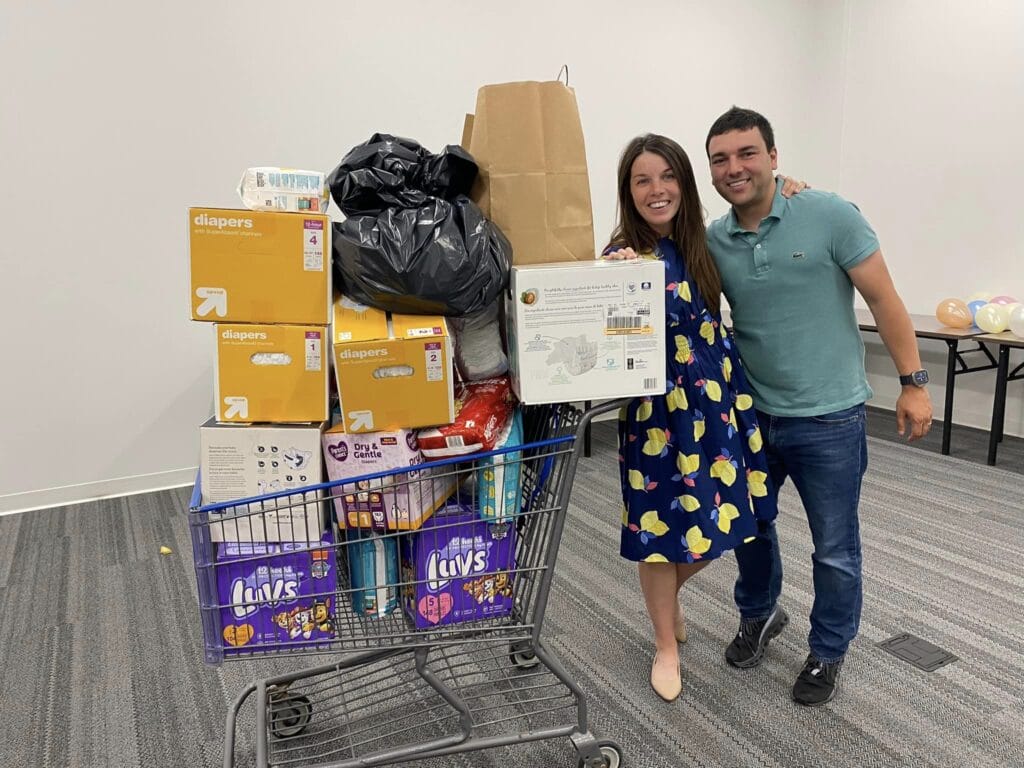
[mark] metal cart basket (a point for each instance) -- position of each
(429, 597)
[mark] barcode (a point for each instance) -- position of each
(454, 441)
(650, 383)
(620, 322)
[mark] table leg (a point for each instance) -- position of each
(995, 432)
(947, 413)
(586, 432)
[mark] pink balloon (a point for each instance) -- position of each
(1002, 300)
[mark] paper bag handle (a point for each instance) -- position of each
(565, 68)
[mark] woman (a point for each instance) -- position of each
(692, 465)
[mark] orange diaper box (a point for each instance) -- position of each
(272, 373)
(393, 371)
(259, 267)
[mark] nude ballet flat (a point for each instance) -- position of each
(667, 685)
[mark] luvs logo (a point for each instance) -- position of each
(441, 569)
(243, 596)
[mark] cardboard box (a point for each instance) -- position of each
(587, 330)
(393, 371)
(274, 373)
(284, 597)
(395, 502)
(240, 461)
(260, 267)
(458, 568)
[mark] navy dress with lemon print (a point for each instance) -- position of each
(694, 471)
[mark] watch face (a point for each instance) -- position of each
(920, 377)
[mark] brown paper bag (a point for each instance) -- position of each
(533, 180)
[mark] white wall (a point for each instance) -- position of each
(934, 104)
(118, 116)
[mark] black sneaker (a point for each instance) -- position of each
(747, 649)
(816, 683)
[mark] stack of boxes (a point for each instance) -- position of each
(263, 280)
(394, 374)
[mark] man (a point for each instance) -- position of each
(789, 267)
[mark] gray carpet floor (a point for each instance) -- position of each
(101, 653)
(968, 443)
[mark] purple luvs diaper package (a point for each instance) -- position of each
(275, 594)
(458, 568)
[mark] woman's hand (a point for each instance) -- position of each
(627, 254)
(791, 186)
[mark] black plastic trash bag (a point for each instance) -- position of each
(413, 241)
(392, 172)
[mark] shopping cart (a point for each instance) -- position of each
(433, 626)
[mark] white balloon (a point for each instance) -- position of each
(1017, 321)
(990, 318)
(1004, 313)
(980, 296)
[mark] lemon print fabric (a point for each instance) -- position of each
(693, 466)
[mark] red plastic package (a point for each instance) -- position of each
(482, 409)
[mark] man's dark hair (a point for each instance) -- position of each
(739, 119)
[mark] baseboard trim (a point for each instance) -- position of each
(47, 498)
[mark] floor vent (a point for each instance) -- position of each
(918, 652)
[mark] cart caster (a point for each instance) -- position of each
(289, 716)
(522, 656)
(611, 757)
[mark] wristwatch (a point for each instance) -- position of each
(917, 378)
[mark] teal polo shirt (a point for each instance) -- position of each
(792, 301)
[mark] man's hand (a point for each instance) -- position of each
(791, 186)
(914, 409)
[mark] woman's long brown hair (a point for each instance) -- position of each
(688, 230)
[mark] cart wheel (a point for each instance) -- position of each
(611, 757)
(289, 716)
(522, 657)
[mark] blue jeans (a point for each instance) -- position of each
(826, 457)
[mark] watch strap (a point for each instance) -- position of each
(918, 378)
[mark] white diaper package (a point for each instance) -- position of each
(586, 330)
(240, 461)
(283, 189)
(400, 501)
(479, 353)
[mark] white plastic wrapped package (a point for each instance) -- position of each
(497, 481)
(284, 189)
(478, 349)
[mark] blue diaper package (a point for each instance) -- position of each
(498, 479)
(373, 570)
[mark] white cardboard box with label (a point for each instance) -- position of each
(239, 461)
(587, 330)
